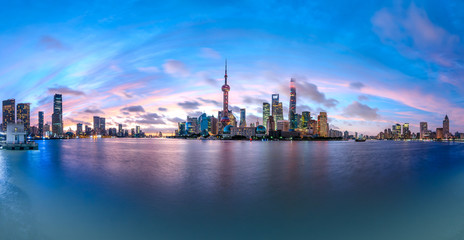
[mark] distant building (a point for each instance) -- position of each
(266, 113)
(120, 131)
(102, 126)
(292, 106)
(96, 125)
(322, 125)
(243, 117)
(396, 131)
(440, 133)
(9, 113)
(283, 125)
(406, 131)
(277, 111)
(41, 124)
(304, 120)
(270, 124)
(446, 130)
(423, 130)
(23, 115)
(79, 129)
(57, 116)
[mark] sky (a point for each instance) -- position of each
(368, 64)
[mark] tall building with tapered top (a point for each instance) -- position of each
(23, 115)
(446, 131)
(225, 100)
(8, 110)
(57, 116)
(292, 107)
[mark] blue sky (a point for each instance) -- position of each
(150, 63)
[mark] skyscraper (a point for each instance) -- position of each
(446, 131)
(406, 131)
(243, 117)
(423, 129)
(120, 130)
(79, 129)
(292, 107)
(8, 112)
(225, 94)
(279, 112)
(305, 118)
(266, 113)
(57, 116)
(275, 103)
(102, 126)
(96, 125)
(322, 125)
(23, 115)
(41, 124)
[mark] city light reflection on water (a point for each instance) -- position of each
(184, 189)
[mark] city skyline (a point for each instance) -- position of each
(137, 70)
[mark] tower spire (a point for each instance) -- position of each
(225, 76)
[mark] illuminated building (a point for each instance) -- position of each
(292, 107)
(41, 124)
(57, 116)
(181, 128)
(277, 111)
(23, 115)
(8, 111)
(270, 124)
(396, 131)
(322, 125)
(203, 123)
(305, 118)
(137, 130)
(242, 117)
(423, 130)
(266, 113)
(214, 125)
(96, 125)
(102, 126)
(79, 129)
(312, 127)
(446, 132)
(283, 125)
(225, 93)
(440, 133)
(406, 131)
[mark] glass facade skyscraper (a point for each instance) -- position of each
(8, 110)
(57, 116)
(23, 115)
(266, 113)
(41, 124)
(292, 107)
(242, 117)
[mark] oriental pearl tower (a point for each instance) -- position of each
(225, 92)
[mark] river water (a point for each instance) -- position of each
(192, 189)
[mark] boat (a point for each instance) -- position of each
(360, 140)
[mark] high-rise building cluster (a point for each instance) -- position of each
(274, 125)
(21, 113)
(398, 132)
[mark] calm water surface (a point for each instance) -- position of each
(189, 189)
